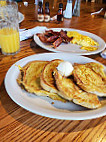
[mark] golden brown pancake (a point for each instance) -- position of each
(70, 91)
(30, 79)
(98, 68)
(89, 78)
(47, 79)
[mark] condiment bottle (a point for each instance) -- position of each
(47, 12)
(40, 12)
(68, 11)
(60, 13)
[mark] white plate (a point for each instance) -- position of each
(43, 105)
(72, 48)
(21, 17)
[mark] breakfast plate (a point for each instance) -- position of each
(43, 105)
(74, 49)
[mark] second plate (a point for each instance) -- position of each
(72, 48)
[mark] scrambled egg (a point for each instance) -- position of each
(89, 48)
(82, 40)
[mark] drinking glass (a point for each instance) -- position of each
(9, 28)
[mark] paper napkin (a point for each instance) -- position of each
(25, 34)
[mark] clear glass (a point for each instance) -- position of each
(9, 28)
(2, 2)
(76, 9)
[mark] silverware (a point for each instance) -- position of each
(97, 12)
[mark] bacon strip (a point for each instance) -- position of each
(42, 37)
(52, 38)
(51, 33)
(57, 42)
(56, 38)
(63, 34)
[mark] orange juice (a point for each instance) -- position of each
(3, 3)
(9, 40)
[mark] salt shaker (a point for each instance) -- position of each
(68, 11)
(76, 10)
(36, 2)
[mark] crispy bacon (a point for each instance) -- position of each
(57, 42)
(42, 37)
(56, 33)
(52, 32)
(54, 37)
(63, 34)
(48, 33)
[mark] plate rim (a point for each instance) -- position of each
(96, 115)
(57, 51)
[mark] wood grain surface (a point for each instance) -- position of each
(20, 125)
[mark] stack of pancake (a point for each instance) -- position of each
(87, 82)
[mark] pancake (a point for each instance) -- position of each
(29, 79)
(70, 91)
(47, 79)
(90, 78)
(98, 68)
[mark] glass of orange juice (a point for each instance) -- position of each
(2, 2)
(9, 28)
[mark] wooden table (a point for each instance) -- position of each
(20, 125)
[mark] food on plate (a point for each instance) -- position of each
(98, 68)
(83, 85)
(82, 40)
(70, 91)
(89, 80)
(29, 79)
(65, 68)
(89, 48)
(56, 38)
(73, 34)
(47, 79)
(53, 37)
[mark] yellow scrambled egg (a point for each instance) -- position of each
(89, 48)
(82, 40)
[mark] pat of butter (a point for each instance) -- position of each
(65, 68)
